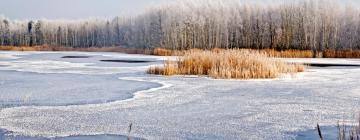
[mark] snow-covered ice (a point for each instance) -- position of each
(178, 107)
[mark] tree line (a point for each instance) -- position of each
(186, 24)
(86, 33)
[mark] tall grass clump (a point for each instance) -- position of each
(349, 132)
(346, 130)
(227, 64)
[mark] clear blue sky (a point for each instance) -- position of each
(72, 9)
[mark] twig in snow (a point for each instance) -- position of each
(319, 131)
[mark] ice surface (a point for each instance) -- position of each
(24, 88)
(188, 107)
(47, 62)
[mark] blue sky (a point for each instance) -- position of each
(72, 9)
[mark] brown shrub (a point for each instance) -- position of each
(227, 64)
(289, 53)
(310, 54)
(341, 54)
(163, 52)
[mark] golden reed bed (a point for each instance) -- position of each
(227, 64)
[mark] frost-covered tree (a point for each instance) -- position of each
(39, 37)
(184, 24)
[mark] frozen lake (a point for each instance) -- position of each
(76, 95)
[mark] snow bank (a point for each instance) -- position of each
(11, 55)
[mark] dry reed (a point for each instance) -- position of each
(289, 53)
(342, 54)
(226, 64)
(163, 52)
(349, 132)
(169, 52)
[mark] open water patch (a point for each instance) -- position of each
(76, 57)
(331, 65)
(127, 61)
